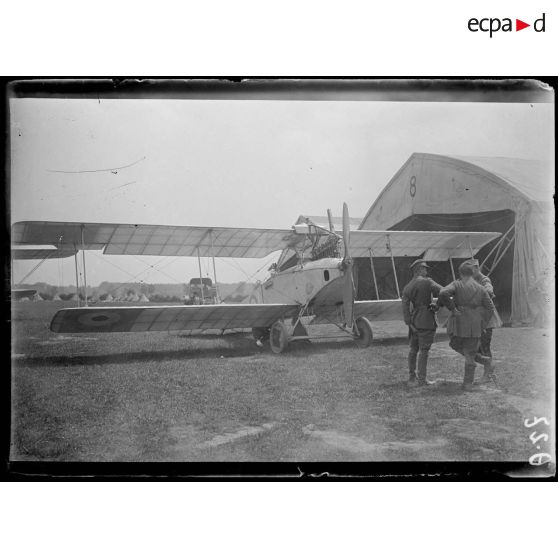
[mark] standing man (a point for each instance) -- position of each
(471, 307)
(494, 321)
(419, 316)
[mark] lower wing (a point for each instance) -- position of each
(377, 310)
(168, 318)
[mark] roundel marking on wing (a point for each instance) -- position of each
(99, 319)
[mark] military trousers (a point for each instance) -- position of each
(468, 347)
(485, 341)
(420, 342)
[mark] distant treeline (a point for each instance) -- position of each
(155, 292)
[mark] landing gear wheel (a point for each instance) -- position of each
(364, 337)
(278, 337)
(261, 333)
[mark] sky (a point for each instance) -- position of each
(231, 163)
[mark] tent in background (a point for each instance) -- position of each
(512, 196)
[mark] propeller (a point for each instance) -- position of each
(330, 219)
(348, 285)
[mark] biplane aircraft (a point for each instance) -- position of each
(312, 282)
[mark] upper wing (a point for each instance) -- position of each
(436, 245)
(168, 318)
(155, 240)
(164, 240)
(40, 252)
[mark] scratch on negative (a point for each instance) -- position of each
(98, 170)
(122, 185)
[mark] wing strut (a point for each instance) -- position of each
(348, 282)
(451, 267)
(502, 253)
(214, 269)
(77, 276)
(388, 246)
(497, 247)
(84, 267)
(201, 278)
(374, 273)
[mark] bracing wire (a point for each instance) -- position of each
(35, 267)
(150, 267)
(133, 277)
(234, 265)
(153, 267)
(266, 264)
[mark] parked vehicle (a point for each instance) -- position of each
(201, 291)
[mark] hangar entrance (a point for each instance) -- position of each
(496, 257)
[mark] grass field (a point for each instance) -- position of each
(174, 397)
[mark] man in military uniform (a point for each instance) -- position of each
(418, 314)
(471, 307)
(495, 321)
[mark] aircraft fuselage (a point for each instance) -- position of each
(318, 281)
